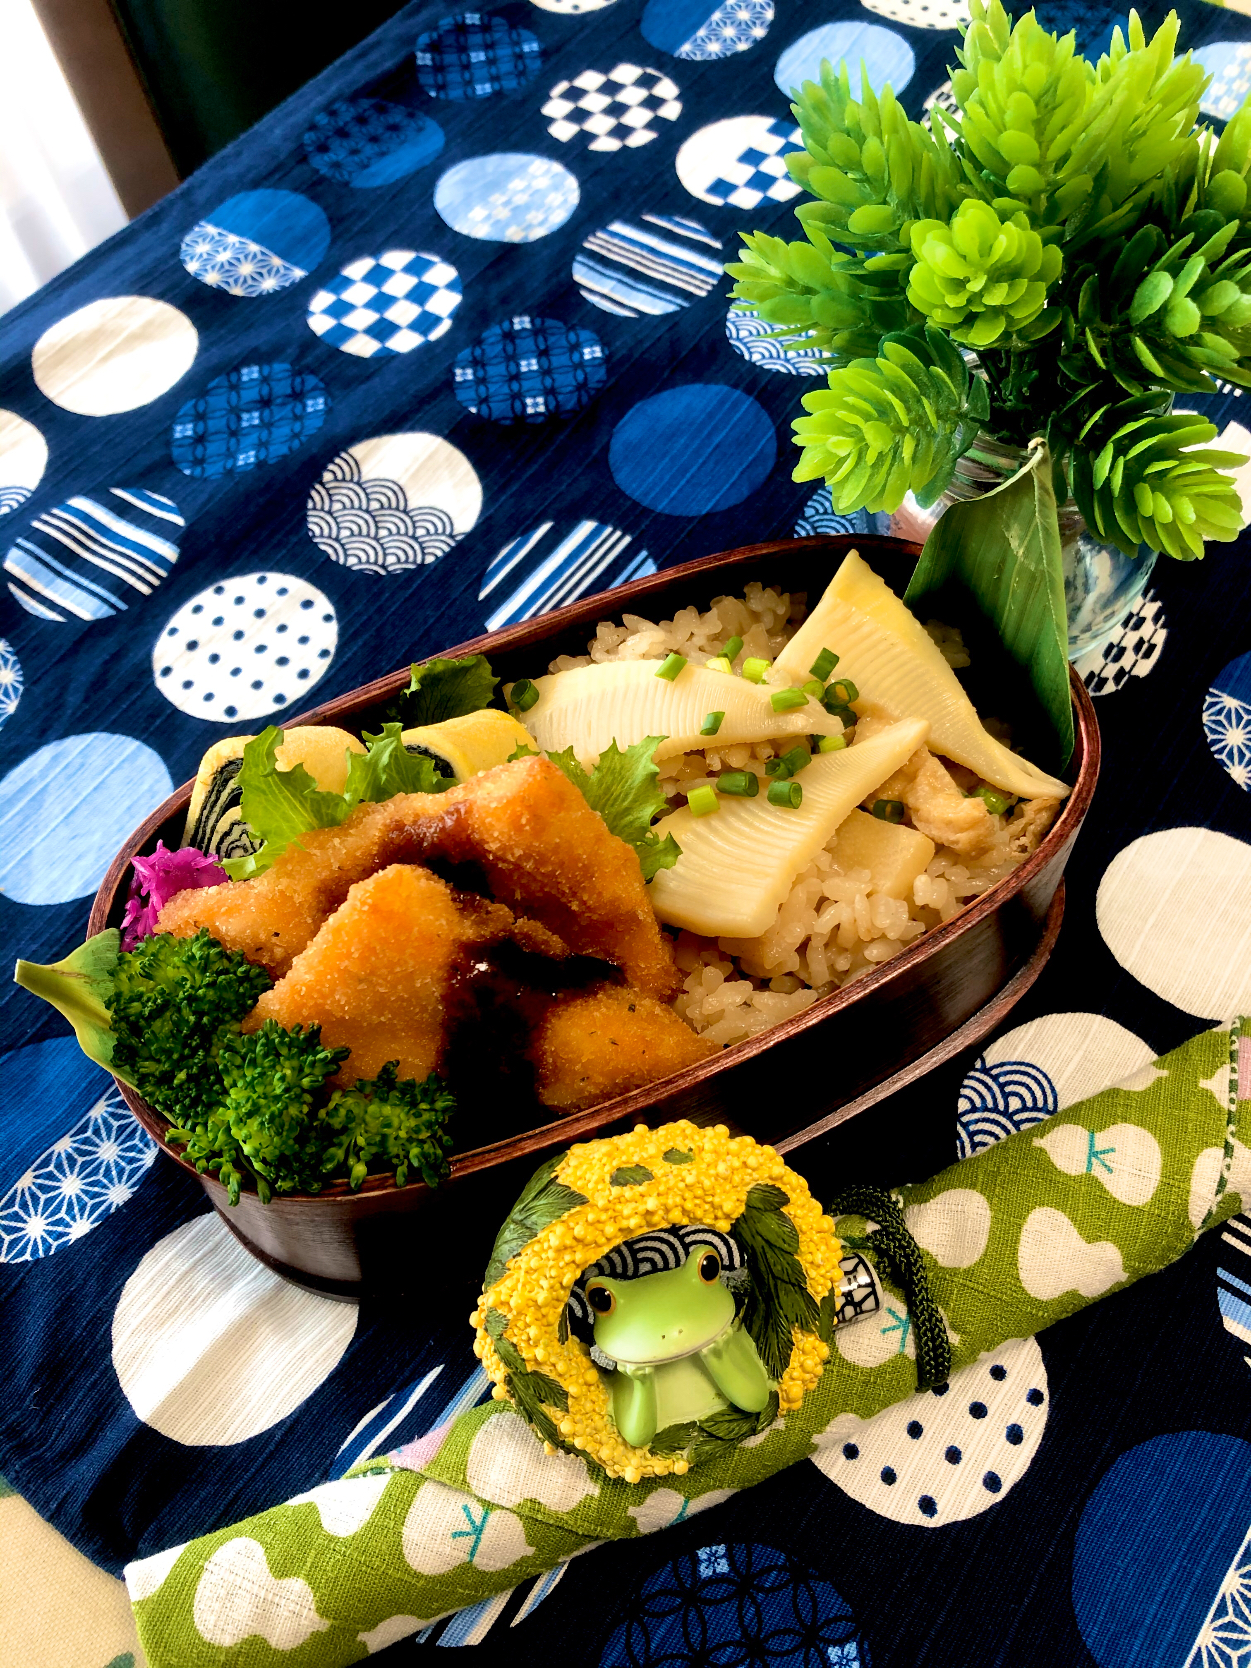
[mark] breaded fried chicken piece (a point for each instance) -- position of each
(546, 854)
(272, 918)
(377, 977)
(603, 1042)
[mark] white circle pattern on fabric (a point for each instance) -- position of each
(23, 459)
(210, 1347)
(943, 96)
(740, 162)
(245, 647)
(81, 1179)
(95, 555)
(921, 14)
(1132, 652)
(572, 8)
(1227, 719)
(391, 303)
(612, 111)
(887, 57)
(65, 810)
(11, 680)
(753, 337)
(394, 503)
(1229, 65)
(510, 197)
(943, 1457)
(656, 264)
(820, 517)
(114, 355)
(1174, 908)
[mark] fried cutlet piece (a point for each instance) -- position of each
(595, 1044)
(272, 918)
(378, 975)
(541, 849)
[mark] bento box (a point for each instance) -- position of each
(845, 1053)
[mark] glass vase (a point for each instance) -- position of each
(1101, 584)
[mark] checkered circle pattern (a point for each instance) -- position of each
(613, 111)
(759, 173)
(525, 370)
(388, 303)
(475, 55)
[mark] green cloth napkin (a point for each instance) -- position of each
(1017, 1237)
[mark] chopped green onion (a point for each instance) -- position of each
(844, 691)
(702, 801)
(733, 648)
(824, 664)
(789, 794)
(719, 664)
(836, 710)
(787, 700)
(711, 724)
(889, 810)
(670, 666)
(996, 803)
(777, 767)
(754, 670)
(523, 695)
(739, 784)
(831, 744)
(815, 688)
(796, 759)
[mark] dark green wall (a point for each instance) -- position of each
(213, 67)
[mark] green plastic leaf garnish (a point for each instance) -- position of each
(630, 1175)
(280, 805)
(444, 689)
(622, 788)
(543, 1200)
(1004, 548)
(78, 987)
(778, 1297)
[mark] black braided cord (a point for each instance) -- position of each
(895, 1247)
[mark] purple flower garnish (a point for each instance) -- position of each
(159, 878)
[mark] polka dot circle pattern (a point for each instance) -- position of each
(366, 142)
(612, 111)
(252, 415)
(65, 810)
(245, 647)
(475, 55)
(526, 370)
(390, 303)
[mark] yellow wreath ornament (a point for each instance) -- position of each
(677, 1175)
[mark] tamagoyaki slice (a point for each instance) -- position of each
(897, 666)
(322, 749)
(624, 700)
(738, 864)
(470, 743)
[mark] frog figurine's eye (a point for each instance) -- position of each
(709, 1267)
(601, 1299)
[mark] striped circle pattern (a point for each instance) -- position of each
(94, 555)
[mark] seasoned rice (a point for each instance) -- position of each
(833, 926)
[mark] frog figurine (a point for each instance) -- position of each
(661, 1315)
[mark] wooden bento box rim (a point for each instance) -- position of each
(615, 1112)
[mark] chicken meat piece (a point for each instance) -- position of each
(932, 797)
(378, 976)
(528, 833)
(599, 1043)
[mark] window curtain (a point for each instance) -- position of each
(56, 200)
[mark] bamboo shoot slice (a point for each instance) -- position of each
(623, 701)
(738, 865)
(893, 855)
(896, 665)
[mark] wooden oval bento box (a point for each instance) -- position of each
(846, 1052)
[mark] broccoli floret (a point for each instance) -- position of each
(173, 1000)
(402, 1122)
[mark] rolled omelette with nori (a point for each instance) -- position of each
(213, 816)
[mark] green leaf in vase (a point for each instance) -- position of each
(1004, 548)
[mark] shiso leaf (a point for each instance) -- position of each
(675, 1155)
(541, 1202)
(622, 788)
(629, 1175)
(778, 1297)
(1004, 549)
(446, 689)
(77, 987)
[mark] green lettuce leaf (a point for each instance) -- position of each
(446, 689)
(280, 805)
(622, 788)
(77, 987)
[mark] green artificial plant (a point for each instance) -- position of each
(1047, 265)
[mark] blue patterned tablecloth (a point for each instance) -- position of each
(444, 343)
